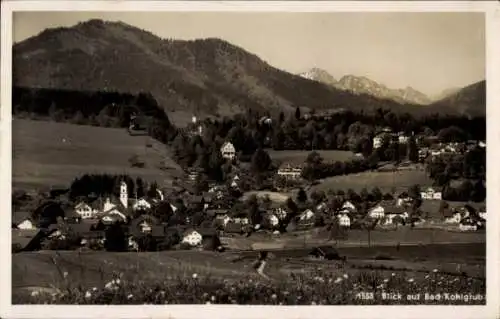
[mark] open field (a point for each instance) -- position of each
(53, 154)
(358, 238)
(298, 157)
(385, 181)
(172, 271)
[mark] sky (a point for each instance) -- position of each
(430, 52)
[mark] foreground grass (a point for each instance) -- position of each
(321, 288)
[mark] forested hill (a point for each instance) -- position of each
(208, 76)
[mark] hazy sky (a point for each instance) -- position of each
(428, 51)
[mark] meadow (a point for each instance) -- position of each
(299, 157)
(385, 181)
(194, 277)
(49, 154)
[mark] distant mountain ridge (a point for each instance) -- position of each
(207, 76)
(364, 85)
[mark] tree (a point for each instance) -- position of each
(412, 150)
(297, 113)
(369, 224)
(301, 196)
(317, 197)
(414, 192)
(278, 141)
(115, 238)
(139, 186)
(377, 193)
(260, 161)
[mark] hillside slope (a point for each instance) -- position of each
(208, 76)
(470, 100)
(53, 154)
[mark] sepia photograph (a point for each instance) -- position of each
(248, 158)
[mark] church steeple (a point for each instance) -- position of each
(124, 194)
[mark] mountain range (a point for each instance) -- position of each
(364, 85)
(206, 76)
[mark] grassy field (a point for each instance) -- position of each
(48, 267)
(48, 154)
(401, 180)
(298, 157)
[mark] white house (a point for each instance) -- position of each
(234, 184)
(482, 214)
(349, 206)
(389, 218)
(273, 220)
(482, 144)
(85, 211)
(192, 238)
(467, 227)
(377, 212)
(228, 151)
(27, 223)
(290, 172)
(377, 141)
(321, 207)
(454, 219)
(306, 215)
(160, 194)
(111, 212)
(403, 139)
(223, 218)
(145, 227)
(344, 220)
(431, 194)
(141, 204)
(280, 212)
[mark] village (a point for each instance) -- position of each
(224, 211)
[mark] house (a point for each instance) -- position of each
(143, 224)
(141, 204)
(242, 220)
(85, 210)
(112, 213)
(290, 172)
(193, 174)
(402, 138)
(377, 141)
(349, 206)
(431, 194)
(403, 199)
(273, 220)
(482, 144)
(377, 212)
(344, 220)
(228, 151)
(482, 213)
(306, 215)
(468, 224)
(192, 238)
(233, 228)
(23, 220)
(322, 207)
(281, 213)
(395, 215)
(452, 217)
